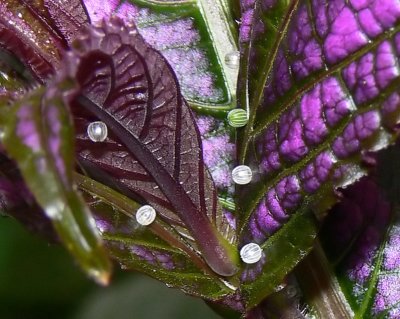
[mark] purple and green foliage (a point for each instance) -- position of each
(38, 135)
(178, 31)
(320, 83)
(143, 248)
(366, 255)
(153, 153)
(322, 93)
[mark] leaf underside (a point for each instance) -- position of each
(153, 152)
(194, 37)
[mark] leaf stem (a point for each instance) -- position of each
(320, 287)
(127, 206)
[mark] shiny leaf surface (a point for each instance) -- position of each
(320, 80)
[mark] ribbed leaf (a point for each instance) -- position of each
(153, 152)
(194, 36)
(321, 90)
(25, 35)
(67, 17)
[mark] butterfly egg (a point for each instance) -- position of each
(242, 174)
(232, 59)
(237, 118)
(145, 215)
(251, 253)
(97, 131)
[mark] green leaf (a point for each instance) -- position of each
(38, 135)
(156, 250)
(194, 36)
(282, 252)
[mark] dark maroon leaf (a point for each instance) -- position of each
(68, 16)
(29, 39)
(37, 32)
(153, 152)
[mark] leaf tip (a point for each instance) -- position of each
(101, 277)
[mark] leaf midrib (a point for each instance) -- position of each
(267, 68)
(360, 314)
(325, 145)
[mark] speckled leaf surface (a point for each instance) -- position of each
(38, 135)
(194, 36)
(366, 254)
(320, 80)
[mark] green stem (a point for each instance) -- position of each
(127, 206)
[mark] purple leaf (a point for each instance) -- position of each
(361, 237)
(218, 152)
(153, 152)
(181, 36)
(193, 37)
(68, 17)
(318, 83)
(37, 33)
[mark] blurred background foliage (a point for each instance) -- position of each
(40, 281)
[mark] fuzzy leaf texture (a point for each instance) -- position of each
(320, 81)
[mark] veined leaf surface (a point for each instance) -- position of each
(153, 152)
(361, 239)
(194, 36)
(320, 80)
